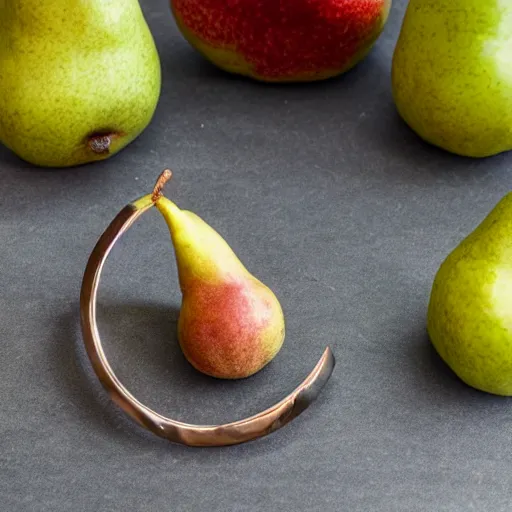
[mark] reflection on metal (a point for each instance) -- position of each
(240, 431)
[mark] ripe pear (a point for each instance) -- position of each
(452, 74)
(470, 309)
(80, 79)
(230, 325)
(282, 40)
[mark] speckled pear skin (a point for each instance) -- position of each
(452, 74)
(282, 40)
(230, 325)
(72, 69)
(470, 311)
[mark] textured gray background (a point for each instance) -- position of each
(330, 200)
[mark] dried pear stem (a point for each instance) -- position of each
(100, 144)
(160, 184)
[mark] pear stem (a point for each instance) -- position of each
(160, 184)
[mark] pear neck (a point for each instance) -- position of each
(202, 259)
(202, 255)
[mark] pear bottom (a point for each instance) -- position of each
(301, 41)
(232, 329)
(450, 75)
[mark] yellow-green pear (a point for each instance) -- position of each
(470, 309)
(230, 325)
(79, 79)
(452, 74)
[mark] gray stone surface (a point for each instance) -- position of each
(330, 200)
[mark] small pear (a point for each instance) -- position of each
(470, 310)
(230, 325)
(79, 79)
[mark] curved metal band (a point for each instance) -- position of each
(240, 431)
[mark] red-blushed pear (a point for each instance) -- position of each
(230, 325)
(282, 40)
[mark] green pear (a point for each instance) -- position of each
(79, 79)
(470, 311)
(230, 325)
(452, 74)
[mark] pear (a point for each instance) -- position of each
(469, 317)
(278, 41)
(452, 74)
(230, 325)
(80, 79)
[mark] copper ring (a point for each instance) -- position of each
(237, 432)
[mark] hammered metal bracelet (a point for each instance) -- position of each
(236, 432)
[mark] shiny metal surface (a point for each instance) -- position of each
(236, 432)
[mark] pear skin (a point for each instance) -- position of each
(470, 310)
(231, 325)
